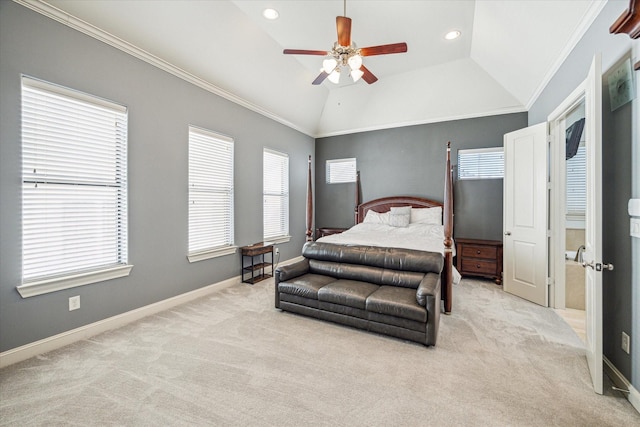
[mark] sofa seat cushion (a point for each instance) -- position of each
(305, 286)
(396, 301)
(351, 293)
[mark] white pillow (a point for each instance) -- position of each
(373, 217)
(400, 216)
(426, 215)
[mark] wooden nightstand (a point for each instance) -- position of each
(479, 258)
(327, 231)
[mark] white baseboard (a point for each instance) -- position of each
(621, 382)
(27, 351)
(33, 349)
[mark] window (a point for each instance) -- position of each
(74, 189)
(577, 183)
(210, 195)
(341, 170)
(275, 182)
(481, 163)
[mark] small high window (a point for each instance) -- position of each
(481, 163)
(341, 170)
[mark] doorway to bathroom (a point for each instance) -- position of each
(572, 222)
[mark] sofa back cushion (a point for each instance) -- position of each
(366, 273)
(373, 256)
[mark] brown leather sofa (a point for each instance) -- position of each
(385, 290)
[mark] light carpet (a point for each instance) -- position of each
(232, 359)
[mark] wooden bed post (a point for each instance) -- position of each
(309, 232)
(358, 201)
(448, 234)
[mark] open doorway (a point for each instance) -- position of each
(570, 183)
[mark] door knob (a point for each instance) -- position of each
(598, 266)
(507, 233)
(586, 264)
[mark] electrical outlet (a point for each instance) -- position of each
(74, 303)
(626, 343)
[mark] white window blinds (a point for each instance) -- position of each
(210, 191)
(577, 183)
(275, 194)
(481, 163)
(74, 191)
(341, 170)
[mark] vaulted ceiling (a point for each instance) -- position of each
(507, 51)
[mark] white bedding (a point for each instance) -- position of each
(423, 237)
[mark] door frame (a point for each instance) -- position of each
(557, 196)
(589, 91)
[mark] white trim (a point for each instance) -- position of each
(46, 286)
(508, 110)
(590, 15)
(276, 240)
(621, 382)
(36, 348)
(84, 27)
(211, 253)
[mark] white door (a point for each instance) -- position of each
(525, 213)
(593, 219)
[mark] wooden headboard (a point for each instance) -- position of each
(386, 203)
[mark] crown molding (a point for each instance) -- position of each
(590, 15)
(71, 21)
(508, 110)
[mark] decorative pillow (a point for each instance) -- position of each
(426, 216)
(373, 217)
(400, 216)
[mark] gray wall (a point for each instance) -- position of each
(411, 161)
(161, 107)
(621, 287)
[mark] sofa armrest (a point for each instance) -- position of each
(429, 287)
(428, 295)
(290, 271)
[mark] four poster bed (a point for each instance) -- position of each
(430, 227)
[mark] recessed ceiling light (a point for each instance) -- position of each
(270, 14)
(451, 35)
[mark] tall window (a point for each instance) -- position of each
(74, 188)
(210, 194)
(341, 170)
(481, 163)
(275, 182)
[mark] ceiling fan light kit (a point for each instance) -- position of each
(345, 55)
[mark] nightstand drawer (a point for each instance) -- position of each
(473, 251)
(479, 258)
(479, 266)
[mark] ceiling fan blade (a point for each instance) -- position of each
(305, 52)
(368, 75)
(384, 49)
(343, 24)
(323, 75)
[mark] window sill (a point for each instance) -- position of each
(211, 253)
(276, 240)
(46, 286)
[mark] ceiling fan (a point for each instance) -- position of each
(346, 55)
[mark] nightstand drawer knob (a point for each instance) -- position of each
(477, 265)
(478, 251)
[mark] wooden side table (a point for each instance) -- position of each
(328, 231)
(258, 267)
(479, 258)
